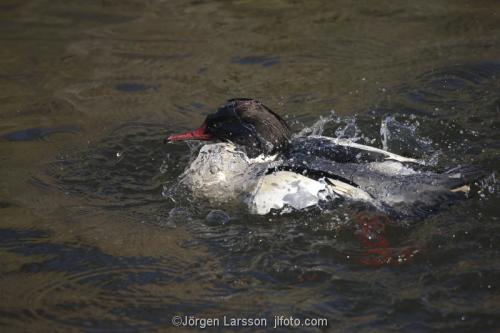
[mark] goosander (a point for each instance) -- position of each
(255, 158)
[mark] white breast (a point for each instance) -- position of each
(221, 173)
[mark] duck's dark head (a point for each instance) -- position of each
(246, 122)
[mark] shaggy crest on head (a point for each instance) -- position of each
(246, 122)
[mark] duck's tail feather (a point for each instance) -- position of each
(460, 178)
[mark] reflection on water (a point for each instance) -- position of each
(96, 236)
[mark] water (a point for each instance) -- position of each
(88, 91)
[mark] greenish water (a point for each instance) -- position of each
(88, 90)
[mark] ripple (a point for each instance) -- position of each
(123, 170)
(82, 287)
(111, 297)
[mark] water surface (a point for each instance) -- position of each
(94, 239)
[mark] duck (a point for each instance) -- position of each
(253, 157)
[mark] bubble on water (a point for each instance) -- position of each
(217, 217)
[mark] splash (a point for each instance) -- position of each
(488, 185)
(403, 138)
(319, 126)
(347, 127)
(350, 130)
(221, 173)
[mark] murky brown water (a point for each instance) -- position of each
(88, 89)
